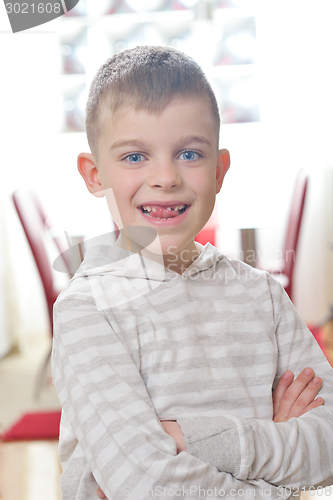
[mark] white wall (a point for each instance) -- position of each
(26, 127)
(5, 340)
(295, 41)
(298, 104)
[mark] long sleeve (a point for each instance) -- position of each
(298, 452)
(119, 441)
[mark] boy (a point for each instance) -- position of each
(163, 329)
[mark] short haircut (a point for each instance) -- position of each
(146, 77)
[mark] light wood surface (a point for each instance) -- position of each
(29, 470)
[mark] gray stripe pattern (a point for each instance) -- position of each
(204, 348)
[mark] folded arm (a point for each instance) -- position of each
(295, 452)
(118, 436)
(291, 398)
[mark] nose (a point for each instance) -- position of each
(164, 175)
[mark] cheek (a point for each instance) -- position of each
(123, 183)
(204, 187)
(125, 192)
(114, 206)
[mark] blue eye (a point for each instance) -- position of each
(189, 155)
(135, 157)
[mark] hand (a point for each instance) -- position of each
(172, 428)
(291, 398)
(294, 398)
(101, 494)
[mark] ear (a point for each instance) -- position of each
(222, 167)
(87, 167)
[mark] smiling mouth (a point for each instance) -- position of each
(163, 213)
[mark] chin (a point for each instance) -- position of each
(155, 247)
(160, 246)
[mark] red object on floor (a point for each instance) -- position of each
(31, 426)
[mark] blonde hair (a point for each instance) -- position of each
(146, 77)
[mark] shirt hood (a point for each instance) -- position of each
(101, 259)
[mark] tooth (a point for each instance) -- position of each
(147, 208)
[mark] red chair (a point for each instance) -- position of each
(208, 232)
(206, 236)
(48, 225)
(35, 223)
(285, 273)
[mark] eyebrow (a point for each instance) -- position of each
(141, 144)
(195, 138)
(130, 142)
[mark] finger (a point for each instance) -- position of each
(306, 398)
(100, 493)
(317, 402)
(282, 385)
(293, 392)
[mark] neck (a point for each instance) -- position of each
(180, 260)
(177, 261)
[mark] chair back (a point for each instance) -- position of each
(33, 219)
(294, 224)
(47, 224)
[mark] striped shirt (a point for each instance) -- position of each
(135, 343)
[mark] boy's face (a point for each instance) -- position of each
(160, 161)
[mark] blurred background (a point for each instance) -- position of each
(270, 64)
